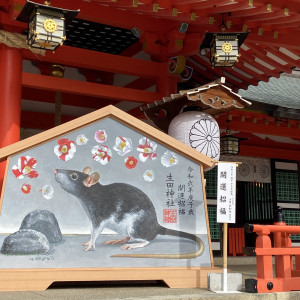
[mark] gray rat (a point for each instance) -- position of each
(122, 208)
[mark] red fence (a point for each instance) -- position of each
(287, 274)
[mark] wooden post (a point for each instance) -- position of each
(225, 227)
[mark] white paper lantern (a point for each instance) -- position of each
(198, 130)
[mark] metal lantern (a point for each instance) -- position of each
(224, 47)
(229, 145)
(46, 24)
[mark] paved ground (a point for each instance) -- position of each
(144, 290)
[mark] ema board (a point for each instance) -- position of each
(103, 195)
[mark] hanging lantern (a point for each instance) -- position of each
(230, 145)
(46, 24)
(197, 130)
(224, 47)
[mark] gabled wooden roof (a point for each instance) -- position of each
(271, 46)
(107, 112)
(270, 49)
(212, 98)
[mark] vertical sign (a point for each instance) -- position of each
(226, 192)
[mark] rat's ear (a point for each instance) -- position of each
(87, 170)
(91, 179)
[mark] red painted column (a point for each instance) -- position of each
(10, 98)
(166, 83)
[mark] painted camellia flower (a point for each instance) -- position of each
(65, 149)
(149, 175)
(100, 136)
(123, 145)
(81, 139)
(101, 154)
(130, 162)
(146, 149)
(25, 167)
(25, 188)
(169, 159)
(47, 191)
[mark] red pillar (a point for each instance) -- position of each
(166, 83)
(10, 98)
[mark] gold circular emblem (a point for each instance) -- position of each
(50, 25)
(227, 47)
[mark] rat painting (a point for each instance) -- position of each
(122, 208)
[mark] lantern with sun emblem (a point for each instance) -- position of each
(46, 24)
(224, 47)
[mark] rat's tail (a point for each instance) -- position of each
(181, 234)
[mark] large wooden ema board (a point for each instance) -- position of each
(104, 197)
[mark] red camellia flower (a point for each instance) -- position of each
(25, 167)
(25, 188)
(65, 149)
(130, 162)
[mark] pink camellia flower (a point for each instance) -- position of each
(25, 188)
(65, 149)
(146, 149)
(101, 154)
(100, 136)
(130, 162)
(25, 167)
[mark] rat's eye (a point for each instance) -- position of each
(74, 176)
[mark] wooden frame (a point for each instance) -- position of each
(41, 277)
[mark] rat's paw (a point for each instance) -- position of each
(126, 247)
(89, 248)
(134, 246)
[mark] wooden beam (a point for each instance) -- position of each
(284, 40)
(86, 59)
(259, 127)
(108, 14)
(38, 120)
(84, 88)
(254, 151)
(45, 96)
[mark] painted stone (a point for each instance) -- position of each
(45, 222)
(25, 242)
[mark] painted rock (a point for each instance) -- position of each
(25, 242)
(45, 222)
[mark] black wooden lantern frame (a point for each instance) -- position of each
(229, 145)
(46, 24)
(224, 47)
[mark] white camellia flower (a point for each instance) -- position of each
(169, 159)
(149, 175)
(123, 145)
(47, 191)
(81, 139)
